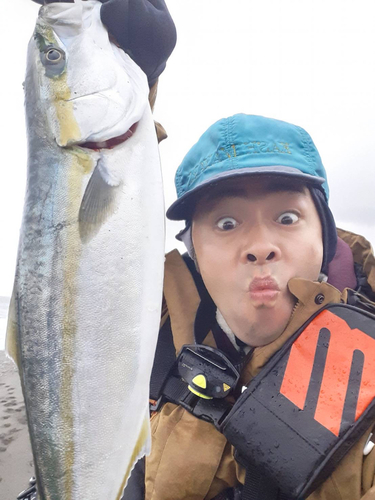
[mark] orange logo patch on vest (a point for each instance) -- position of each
(344, 342)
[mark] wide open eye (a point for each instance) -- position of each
(287, 218)
(227, 223)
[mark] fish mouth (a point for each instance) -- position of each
(110, 143)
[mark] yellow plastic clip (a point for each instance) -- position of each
(198, 393)
(200, 381)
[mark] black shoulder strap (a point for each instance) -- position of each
(165, 354)
(202, 290)
(205, 317)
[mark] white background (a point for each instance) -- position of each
(310, 62)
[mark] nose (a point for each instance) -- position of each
(259, 247)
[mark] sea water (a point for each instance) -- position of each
(4, 304)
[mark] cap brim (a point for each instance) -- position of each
(182, 208)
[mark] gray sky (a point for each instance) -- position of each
(310, 62)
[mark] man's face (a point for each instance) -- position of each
(251, 236)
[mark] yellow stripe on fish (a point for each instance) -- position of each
(138, 452)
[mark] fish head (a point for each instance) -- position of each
(89, 89)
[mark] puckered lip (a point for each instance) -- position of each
(263, 284)
(110, 143)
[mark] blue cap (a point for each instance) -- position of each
(245, 145)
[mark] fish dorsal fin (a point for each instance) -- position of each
(11, 340)
(98, 203)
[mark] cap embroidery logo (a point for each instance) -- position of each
(230, 155)
(256, 147)
(331, 367)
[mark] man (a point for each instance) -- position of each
(264, 259)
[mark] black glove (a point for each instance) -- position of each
(144, 29)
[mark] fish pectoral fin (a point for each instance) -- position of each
(11, 340)
(142, 447)
(98, 203)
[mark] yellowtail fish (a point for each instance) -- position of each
(85, 311)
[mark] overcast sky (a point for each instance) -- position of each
(309, 62)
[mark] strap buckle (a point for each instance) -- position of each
(213, 410)
(199, 381)
(208, 377)
(208, 372)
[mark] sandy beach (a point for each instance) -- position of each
(16, 464)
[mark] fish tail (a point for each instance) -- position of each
(142, 447)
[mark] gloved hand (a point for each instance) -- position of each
(144, 29)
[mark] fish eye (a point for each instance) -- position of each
(54, 55)
(53, 59)
(287, 218)
(227, 223)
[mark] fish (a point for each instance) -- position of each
(85, 309)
